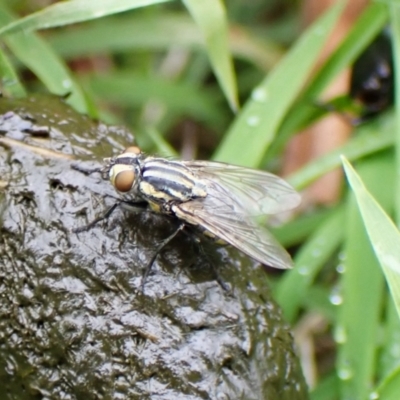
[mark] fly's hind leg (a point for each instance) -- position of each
(157, 251)
(218, 278)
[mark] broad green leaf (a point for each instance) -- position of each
(254, 129)
(384, 235)
(73, 11)
(210, 15)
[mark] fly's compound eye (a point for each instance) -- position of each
(122, 177)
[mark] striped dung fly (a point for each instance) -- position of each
(221, 200)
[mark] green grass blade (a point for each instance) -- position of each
(327, 389)
(210, 16)
(69, 12)
(156, 31)
(45, 64)
(10, 84)
(254, 129)
(384, 235)
(312, 256)
(321, 299)
(370, 23)
(362, 282)
(389, 389)
(297, 230)
(395, 30)
(163, 148)
(134, 89)
(389, 356)
(147, 31)
(371, 138)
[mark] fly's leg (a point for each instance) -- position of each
(90, 225)
(86, 170)
(157, 251)
(124, 204)
(218, 278)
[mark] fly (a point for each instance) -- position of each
(222, 200)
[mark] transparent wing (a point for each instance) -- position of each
(226, 219)
(259, 192)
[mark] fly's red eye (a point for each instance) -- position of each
(124, 180)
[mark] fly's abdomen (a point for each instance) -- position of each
(165, 181)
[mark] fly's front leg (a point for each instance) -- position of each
(85, 169)
(157, 251)
(90, 225)
(124, 204)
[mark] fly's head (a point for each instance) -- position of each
(124, 170)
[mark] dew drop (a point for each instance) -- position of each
(259, 95)
(253, 120)
(336, 299)
(340, 334)
(374, 396)
(316, 253)
(67, 83)
(341, 268)
(345, 373)
(303, 270)
(395, 350)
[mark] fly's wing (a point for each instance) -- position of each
(259, 192)
(227, 220)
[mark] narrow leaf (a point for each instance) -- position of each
(370, 139)
(252, 132)
(308, 262)
(384, 236)
(10, 84)
(395, 30)
(73, 11)
(210, 15)
(362, 287)
(44, 63)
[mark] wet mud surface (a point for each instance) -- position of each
(74, 323)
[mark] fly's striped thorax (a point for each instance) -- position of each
(164, 181)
